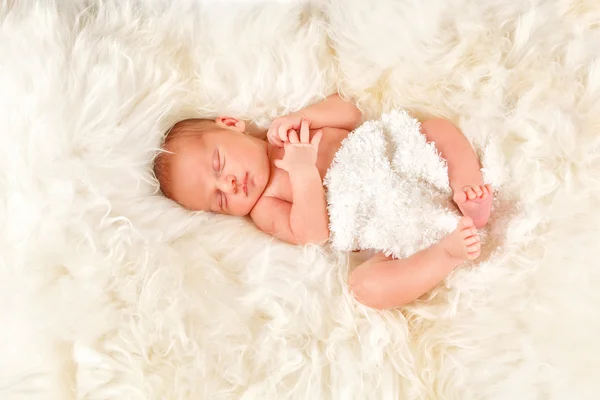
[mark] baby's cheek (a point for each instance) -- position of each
(241, 207)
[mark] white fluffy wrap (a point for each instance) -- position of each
(388, 190)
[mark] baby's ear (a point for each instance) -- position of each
(231, 123)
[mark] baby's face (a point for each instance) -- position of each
(221, 170)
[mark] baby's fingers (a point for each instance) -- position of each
(304, 132)
(273, 138)
(282, 132)
(317, 139)
(293, 137)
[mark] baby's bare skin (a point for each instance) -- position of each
(279, 186)
(463, 243)
(382, 282)
(475, 202)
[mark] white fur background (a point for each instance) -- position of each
(108, 291)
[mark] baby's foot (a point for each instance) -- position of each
(463, 244)
(475, 202)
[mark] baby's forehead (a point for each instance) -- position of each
(187, 157)
(188, 146)
(191, 126)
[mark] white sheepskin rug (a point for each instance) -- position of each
(108, 291)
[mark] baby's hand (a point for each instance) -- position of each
(300, 152)
(282, 127)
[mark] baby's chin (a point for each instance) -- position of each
(245, 209)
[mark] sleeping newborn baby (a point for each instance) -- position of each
(319, 171)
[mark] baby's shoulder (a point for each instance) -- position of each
(279, 186)
(269, 213)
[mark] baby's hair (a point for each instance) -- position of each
(182, 129)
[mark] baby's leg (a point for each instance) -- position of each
(473, 198)
(382, 282)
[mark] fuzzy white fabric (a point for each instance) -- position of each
(109, 291)
(388, 189)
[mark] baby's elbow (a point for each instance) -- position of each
(356, 118)
(314, 237)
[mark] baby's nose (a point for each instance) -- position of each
(229, 184)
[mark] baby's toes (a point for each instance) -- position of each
(465, 223)
(470, 193)
(460, 197)
(469, 232)
(484, 192)
(473, 249)
(478, 191)
(471, 241)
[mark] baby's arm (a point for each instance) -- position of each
(308, 214)
(302, 222)
(305, 220)
(333, 112)
(464, 171)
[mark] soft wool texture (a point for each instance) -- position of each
(109, 291)
(388, 189)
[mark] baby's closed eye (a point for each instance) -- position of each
(221, 200)
(216, 161)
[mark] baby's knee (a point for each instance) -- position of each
(366, 291)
